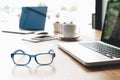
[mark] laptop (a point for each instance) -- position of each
(103, 52)
(33, 18)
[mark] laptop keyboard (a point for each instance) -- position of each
(103, 49)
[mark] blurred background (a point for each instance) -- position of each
(76, 11)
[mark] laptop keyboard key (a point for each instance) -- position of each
(103, 49)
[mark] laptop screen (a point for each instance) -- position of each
(33, 18)
(111, 27)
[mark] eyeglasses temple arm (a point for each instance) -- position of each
(16, 52)
(52, 52)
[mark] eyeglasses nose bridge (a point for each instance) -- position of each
(32, 56)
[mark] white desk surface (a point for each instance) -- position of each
(59, 69)
(63, 67)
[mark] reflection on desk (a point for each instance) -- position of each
(22, 72)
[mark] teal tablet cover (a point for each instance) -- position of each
(33, 18)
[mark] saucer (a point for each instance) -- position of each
(69, 38)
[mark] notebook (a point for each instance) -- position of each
(103, 52)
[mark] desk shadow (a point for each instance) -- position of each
(105, 67)
(24, 71)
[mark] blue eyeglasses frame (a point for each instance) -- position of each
(50, 52)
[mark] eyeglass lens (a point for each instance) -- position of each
(21, 59)
(44, 58)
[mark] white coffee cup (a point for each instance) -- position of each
(68, 30)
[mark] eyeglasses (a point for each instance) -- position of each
(20, 58)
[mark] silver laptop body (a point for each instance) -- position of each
(110, 37)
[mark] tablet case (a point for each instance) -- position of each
(33, 18)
